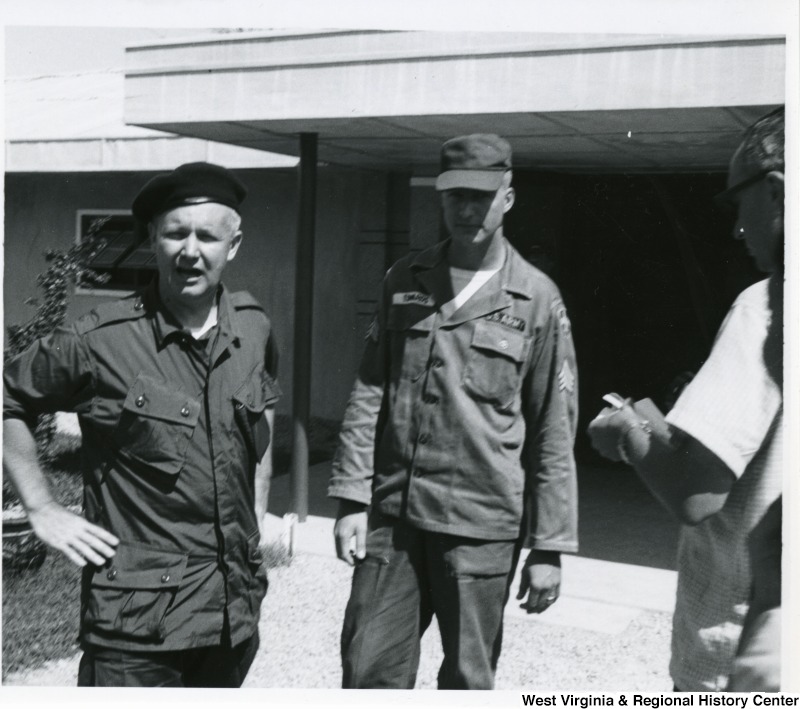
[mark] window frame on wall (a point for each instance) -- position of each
(83, 220)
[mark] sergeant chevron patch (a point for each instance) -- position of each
(566, 379)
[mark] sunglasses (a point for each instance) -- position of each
(726, 199)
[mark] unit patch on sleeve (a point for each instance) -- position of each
(507, 320)
(563, 319)
(412, 298)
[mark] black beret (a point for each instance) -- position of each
(192, 183)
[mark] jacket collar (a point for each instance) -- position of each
(166, 326)
(512, 273)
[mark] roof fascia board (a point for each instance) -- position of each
(478, 48)
(247, 36)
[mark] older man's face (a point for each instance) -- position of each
(193, 244)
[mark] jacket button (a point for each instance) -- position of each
(503, 344)
(239, 405)
(165, 578)
(140, 400)
(430, 398)
(185, 411)
(111, 574)
(138, 305)
(438, 363)
(424, 438)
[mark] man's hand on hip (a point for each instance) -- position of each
(79, 540)
(540, 580)
(350, 531)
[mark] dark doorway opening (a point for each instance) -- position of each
(647, 267)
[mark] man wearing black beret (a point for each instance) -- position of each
(174, 389)
(460, 426)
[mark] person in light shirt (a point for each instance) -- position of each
(717, 463)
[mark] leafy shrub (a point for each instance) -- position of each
(64, 270)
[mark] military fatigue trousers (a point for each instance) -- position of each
(409, 575)
(219, 666)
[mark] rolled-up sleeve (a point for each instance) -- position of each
(551, 415)
(53, 374)
(728, 411)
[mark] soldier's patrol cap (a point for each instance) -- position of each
(475, 162)
(191, 183)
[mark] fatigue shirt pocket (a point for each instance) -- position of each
(258, 391)
(410, 327)
(129, 597)
(156, 424)
(494, 363)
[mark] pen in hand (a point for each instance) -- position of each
(614, 400)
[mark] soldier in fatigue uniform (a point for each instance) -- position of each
(174, 389)
(457, 444)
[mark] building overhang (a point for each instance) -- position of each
(387, 100)
(73, 123)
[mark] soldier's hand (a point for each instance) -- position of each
(540, 580)
(78, 539)
(350, 531)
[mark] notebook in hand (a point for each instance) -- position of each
(648, 411)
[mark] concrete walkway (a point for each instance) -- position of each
(596, 595)
(625, 566)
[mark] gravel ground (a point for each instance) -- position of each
(302, 617)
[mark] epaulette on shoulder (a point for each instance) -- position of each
(242, 300)
(128, 308)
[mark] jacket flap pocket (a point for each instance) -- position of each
(500, 340)
(151, 398)
(141, 567)
(257, 392)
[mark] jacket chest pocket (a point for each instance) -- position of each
(409, 328)
(130, 596)
(494, 363)
(156, 424)
(258, 391)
